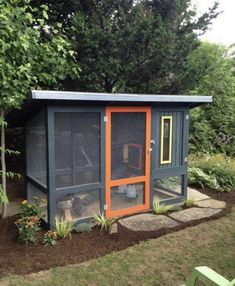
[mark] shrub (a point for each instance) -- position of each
(161, 209)
(216, 172)
(34, 209)
(27, 228)
(198, 176)
(50, 238)
(63, 227)
(104, 223)
(83, 227)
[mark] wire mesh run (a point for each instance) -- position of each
(36, 154)
(77, 148)
(168, 188)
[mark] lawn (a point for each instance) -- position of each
(167, 260)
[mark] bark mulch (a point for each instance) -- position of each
(228, 197)
(16, 258)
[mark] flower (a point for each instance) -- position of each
(51, 234)
(24, 202)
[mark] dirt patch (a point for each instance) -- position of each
(18, 258)
(228, 197)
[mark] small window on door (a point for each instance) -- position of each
(166, 139)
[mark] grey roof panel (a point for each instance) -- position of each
(118, 97)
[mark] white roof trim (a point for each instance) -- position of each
(93, 96)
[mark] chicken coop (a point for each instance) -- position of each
(111, 153)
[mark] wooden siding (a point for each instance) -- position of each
(177, 139)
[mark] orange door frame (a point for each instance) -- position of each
(109, 183)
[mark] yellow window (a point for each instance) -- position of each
(166, 139)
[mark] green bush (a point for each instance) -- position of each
(34, 209)
(216, 172)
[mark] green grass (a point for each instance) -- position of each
(168, 260)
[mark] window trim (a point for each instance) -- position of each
(163, 118)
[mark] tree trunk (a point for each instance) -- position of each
(3, 162)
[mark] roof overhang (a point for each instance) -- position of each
(118, 97)
(41, 98)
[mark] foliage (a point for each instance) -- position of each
(63, 227)
(216, 172)
(34, 209)
(83, 227)
(104, 223)
(50, 238)
(131, 46)
(3, 197)
(29, 59)
(198, 176)
(27, 228)
(212, 128)
(161, 208)
(189, 203)
(26, 59)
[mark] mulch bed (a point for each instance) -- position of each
(16, 258)
(228, 197)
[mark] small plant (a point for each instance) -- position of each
(161, 209)
(27, 228)
(34, 209)
(83, 227)
(104, 223)
(189, 203)
(50, 238)
(63, 227)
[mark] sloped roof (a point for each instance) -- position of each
(41, 98)
(117, 97)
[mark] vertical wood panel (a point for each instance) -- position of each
(177, 139)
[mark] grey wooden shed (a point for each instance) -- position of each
(112, 153)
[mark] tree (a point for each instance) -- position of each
(131, 46)
(213, 127)
(28, 60)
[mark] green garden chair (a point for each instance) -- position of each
(207, 274)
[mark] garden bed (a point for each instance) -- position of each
(228, 197)
(16, 258)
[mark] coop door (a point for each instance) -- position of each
(127, 160)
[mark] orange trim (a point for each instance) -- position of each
(128, 211)
(131, 180)
(145, 179)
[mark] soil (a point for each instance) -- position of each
(17, 258)
(228, 197)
